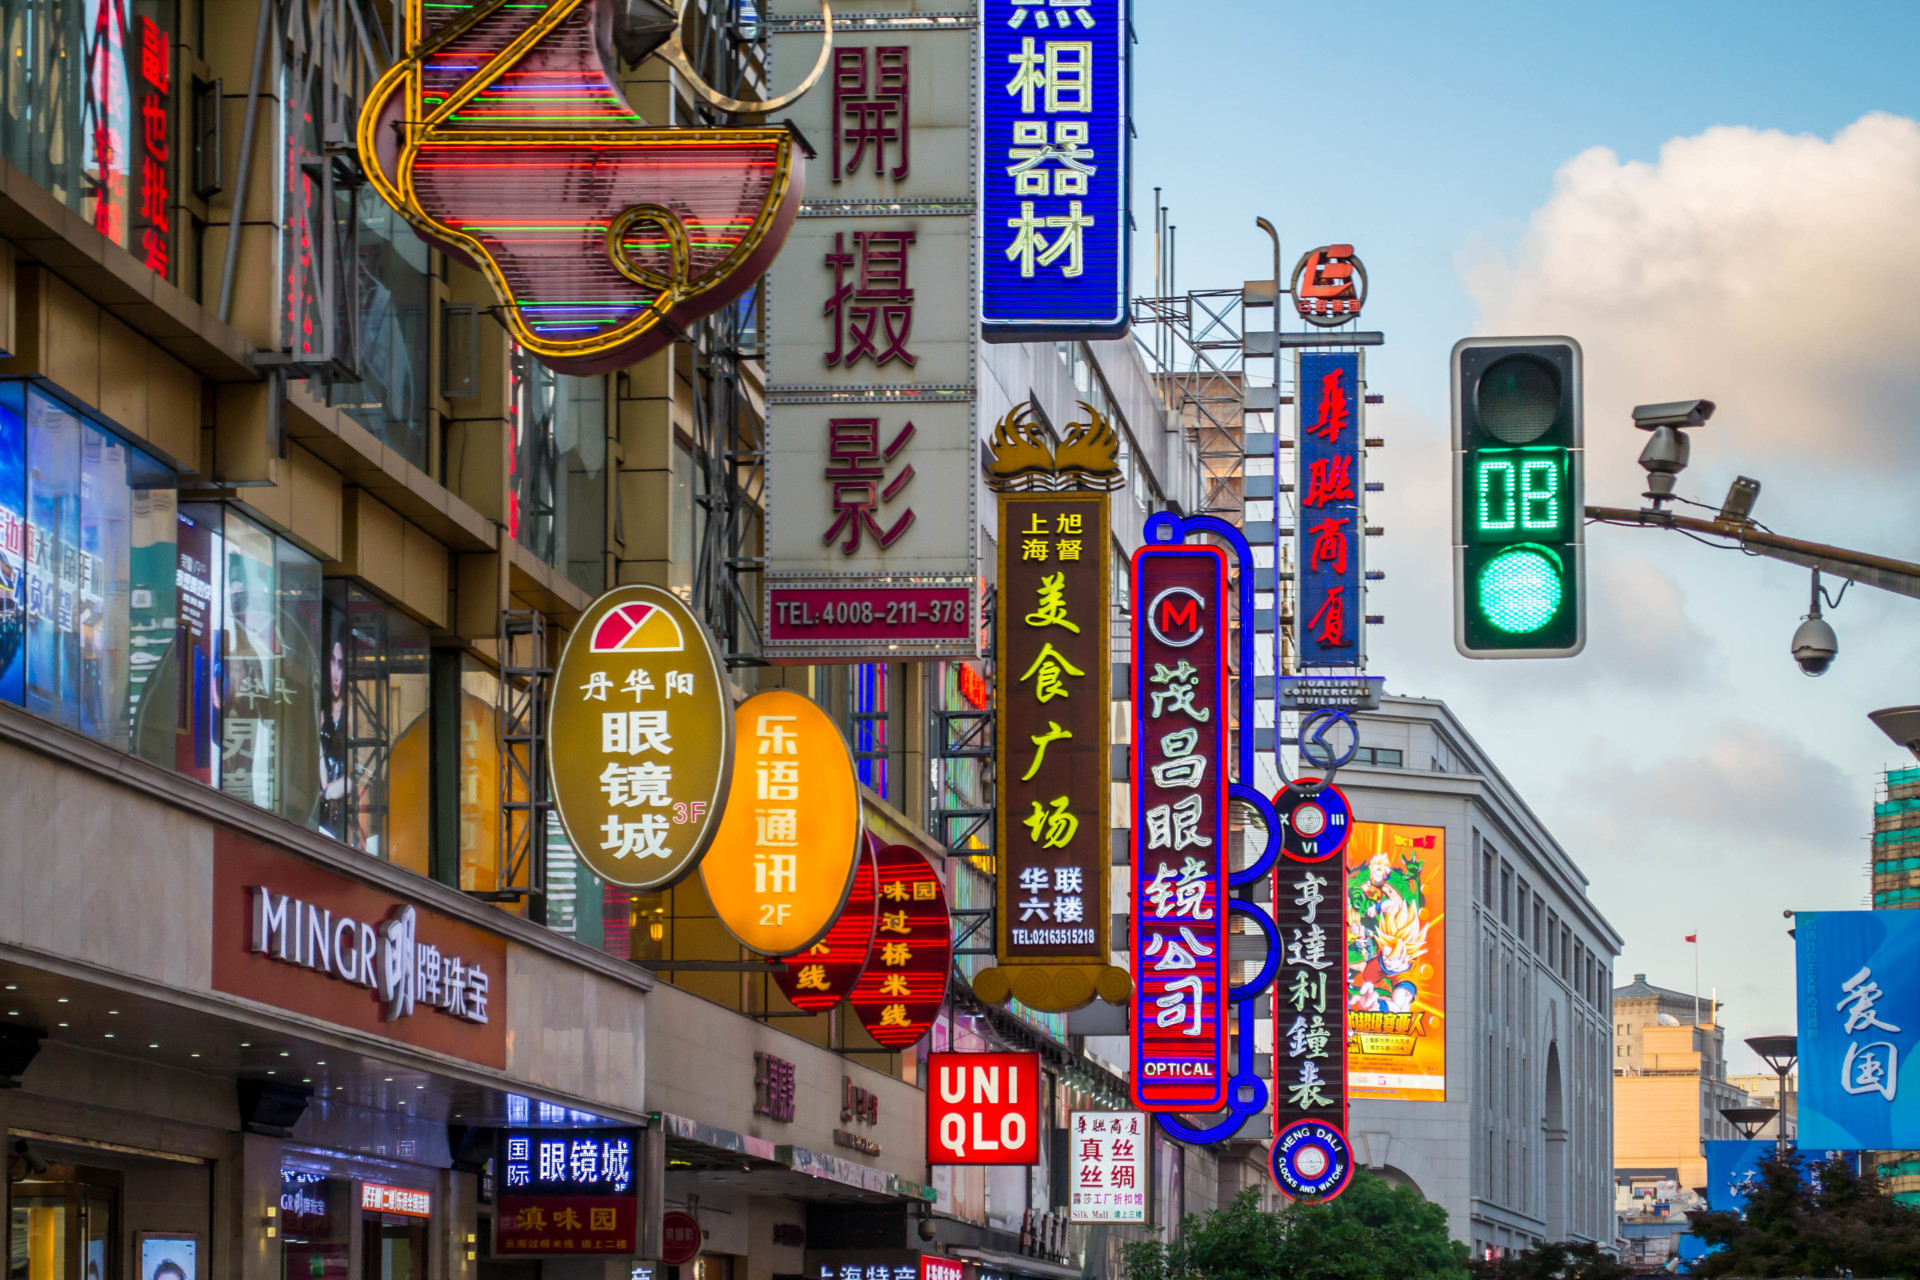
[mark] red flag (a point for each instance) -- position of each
(1693, 937)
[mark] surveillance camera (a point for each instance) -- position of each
(1674, 413)
(1814, 646)
(29, 1157)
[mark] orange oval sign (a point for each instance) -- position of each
(639, 739)
(783, 860)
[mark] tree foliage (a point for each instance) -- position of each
(1834, 1222)
(1373, 1231)
(1552, 1261)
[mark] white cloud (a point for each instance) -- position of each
(1772, 273)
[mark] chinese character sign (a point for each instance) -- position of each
(151, 235)
(1054, 159)
(640, 738)
(1310, 1157)
(566, 1191)
(1396, 989)
(1107, 1166)
(1859, 1028)
(1332, 512)
(983, 1108)
(1179, 935)
(1053, 729)
(817, 978)
(783, 861)
(905, 982)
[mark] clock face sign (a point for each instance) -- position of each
(1310, 1160)
(1313, 827)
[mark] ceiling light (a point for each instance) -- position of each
(63, 1000)
(153, 1046)
(109, 1035)
(63, 1024)
(13, 986)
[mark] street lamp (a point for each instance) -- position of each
(1780, 1053)
(1902, 724)
(1749, 1120)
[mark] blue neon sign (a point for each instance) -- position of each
(1055, 155)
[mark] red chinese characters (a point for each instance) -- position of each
(879, 297)
(870, 111)
(905, 982)
(817, 978)
(155, 244)
(857, 470)
(1329, 285)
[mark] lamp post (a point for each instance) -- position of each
(1780, 1053)
(1749, 1120)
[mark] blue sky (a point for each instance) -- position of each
(1413, 129)
(1682, 753)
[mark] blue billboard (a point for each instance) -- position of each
(1858, 984)
(1332, 611)
(1054, 156)
(1733, 1170)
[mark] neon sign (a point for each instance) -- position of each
(503, 137)
(1180, 803)
(1332, 520)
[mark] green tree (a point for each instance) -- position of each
(1552, 1261)
(1834, 1222)
(1373, 1231)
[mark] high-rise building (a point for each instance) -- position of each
(1669, 1084)
(1507, 1121)
(1896, 841)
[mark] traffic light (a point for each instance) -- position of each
(1519, 583)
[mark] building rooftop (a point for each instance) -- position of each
(1641, 989)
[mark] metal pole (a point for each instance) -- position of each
(246, 160)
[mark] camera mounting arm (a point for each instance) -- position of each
(1901, 577)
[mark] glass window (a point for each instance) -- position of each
(557, 507)
(479, 777)
(90, 117)
(386, 744)
(200, 579)
(13, 541)
(299, 684)
(248, 665)
(153, 619)
(867, 717)
(53, 559)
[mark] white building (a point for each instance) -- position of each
(1520, 1150)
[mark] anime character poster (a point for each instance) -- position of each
(1396, 962)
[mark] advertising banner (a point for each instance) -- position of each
(904, 985)
(1107, 1166)
(566, 1191)
(1053, 731)
(1396, 962)
(640, 738)
(1055, 155)
(818, 977)
(983, 1108)
(1859, 1028)
(1733, 1169)
(783, 861)
(872, 534)
(1332, 522)
(1179, 934)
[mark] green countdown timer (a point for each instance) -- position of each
(1519, 495)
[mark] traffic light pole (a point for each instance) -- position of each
(1898, 576)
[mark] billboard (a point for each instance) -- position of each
(1396, 962)
(1733, 1170)
(1054, 177)
(1331, 489)
(1107, 1166)
(1179, 934)
(1859, 1024)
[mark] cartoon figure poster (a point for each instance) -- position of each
(1396, 963)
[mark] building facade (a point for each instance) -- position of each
(1517, 1146)
(290, 531)
(1670, 1084)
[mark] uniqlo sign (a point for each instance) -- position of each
(983, 1108)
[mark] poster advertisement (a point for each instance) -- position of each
(1859, 1028)
(1396, 962)
(163, 1257)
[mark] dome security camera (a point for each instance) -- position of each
(1815, 646)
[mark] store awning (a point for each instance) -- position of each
(696, 1148)
(1018, 1264)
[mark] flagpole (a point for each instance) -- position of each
(1696, 977)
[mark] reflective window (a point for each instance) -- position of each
(557, 504)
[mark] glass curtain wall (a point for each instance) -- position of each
(557, 502)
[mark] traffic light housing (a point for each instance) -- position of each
(1519, 576)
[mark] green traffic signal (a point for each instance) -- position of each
(1517, 438)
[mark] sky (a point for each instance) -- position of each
(1716, 200)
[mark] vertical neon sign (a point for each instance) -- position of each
(1332, 510)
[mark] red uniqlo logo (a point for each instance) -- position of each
(381, 1198)
(983, 1108)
